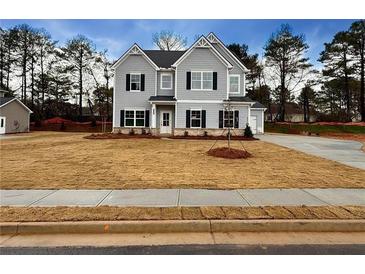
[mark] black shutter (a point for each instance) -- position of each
(142, 82)
(188, 80)
(221, 119)
(147, 118)
(215, 80)
(236, 119)
(204, 119)
(188, 118)
(122, 118)
(128, 83)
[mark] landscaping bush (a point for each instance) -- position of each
(186, 133)
(131, 132)
(248, 132)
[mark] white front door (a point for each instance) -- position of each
(165, 122)
(253, 124)
(2, 125)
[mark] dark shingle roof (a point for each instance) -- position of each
(162, 98)
(4, 100)
(240, 99)
(163, 58)
(258, 105)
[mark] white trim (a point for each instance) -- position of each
(175, 91)
(239, 83)
(134, 50)
(212, 37)
(16, 99)
(201, 80)
(249, 116)
(244, 84)
(114, 102)
(201, 101)
(166, 74)
(156, 77)
(153, 116)
(227, 84)
(196, 109)
(197, 44)
(170, 121)
(135, 117)
(130, 81)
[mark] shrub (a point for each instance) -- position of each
(205, 133)
(131, 132)
(248, 132)
(186, 133)
(143, 131)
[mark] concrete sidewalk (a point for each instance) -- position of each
(183, 197)
(343, 151)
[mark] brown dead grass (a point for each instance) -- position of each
(50, 160)
(106, 213)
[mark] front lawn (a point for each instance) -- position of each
(50, 160)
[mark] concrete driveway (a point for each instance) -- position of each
(343, 151)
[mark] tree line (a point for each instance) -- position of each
(57, 80)
(54, 80)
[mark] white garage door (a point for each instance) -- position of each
(254, 124)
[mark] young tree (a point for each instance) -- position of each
(337, 60)
(79, 52)
(168, 40)
(357, 40)
(284, 53)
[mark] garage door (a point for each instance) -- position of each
(254, 124)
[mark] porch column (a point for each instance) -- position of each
(154, 116)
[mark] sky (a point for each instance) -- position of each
(118, 35)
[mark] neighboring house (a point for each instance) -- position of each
(183, 92)
(14, 115)
(293, 113)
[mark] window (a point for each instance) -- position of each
(202, 80)
(166, 81)
(228, 118)
(135, 82)
(134, 118)
(195, 118)
(234, 84)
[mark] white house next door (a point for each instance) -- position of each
(2, 125)
(165, 122)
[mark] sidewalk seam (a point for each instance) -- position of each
(36, 201)
(102, 200)
(243, 197)
(178, 197)
(302, 189)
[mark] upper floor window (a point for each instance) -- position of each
(166, 81)
(234, 84)
(202, 80)
(135, 82)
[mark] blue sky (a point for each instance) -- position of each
(118, 35)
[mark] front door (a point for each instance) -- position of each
(165, 122)
(254, 124)
(2, 125)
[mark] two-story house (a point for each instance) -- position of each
(198, 91)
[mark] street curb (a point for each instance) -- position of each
(170, 226)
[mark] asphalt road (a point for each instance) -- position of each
(347, 249)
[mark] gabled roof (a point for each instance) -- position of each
(164, 58)
(7, 100)
(214, 39)
(203, 42)
(258, 105)
(134, 50)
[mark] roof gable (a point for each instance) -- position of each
(214, 39)
(134, 50)
(203, 42)
(7, 100)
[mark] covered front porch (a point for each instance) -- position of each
(162, 115)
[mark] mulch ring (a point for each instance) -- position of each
(104, 136)
(229, 153)
(239, 138)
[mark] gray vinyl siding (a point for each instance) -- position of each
(165, 92)
(16, 117)
(125, 99)
(259, 114)
(236, 69)
(158, 116)
(212, 114)
(201, 59)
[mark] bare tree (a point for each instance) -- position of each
(168, 40)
